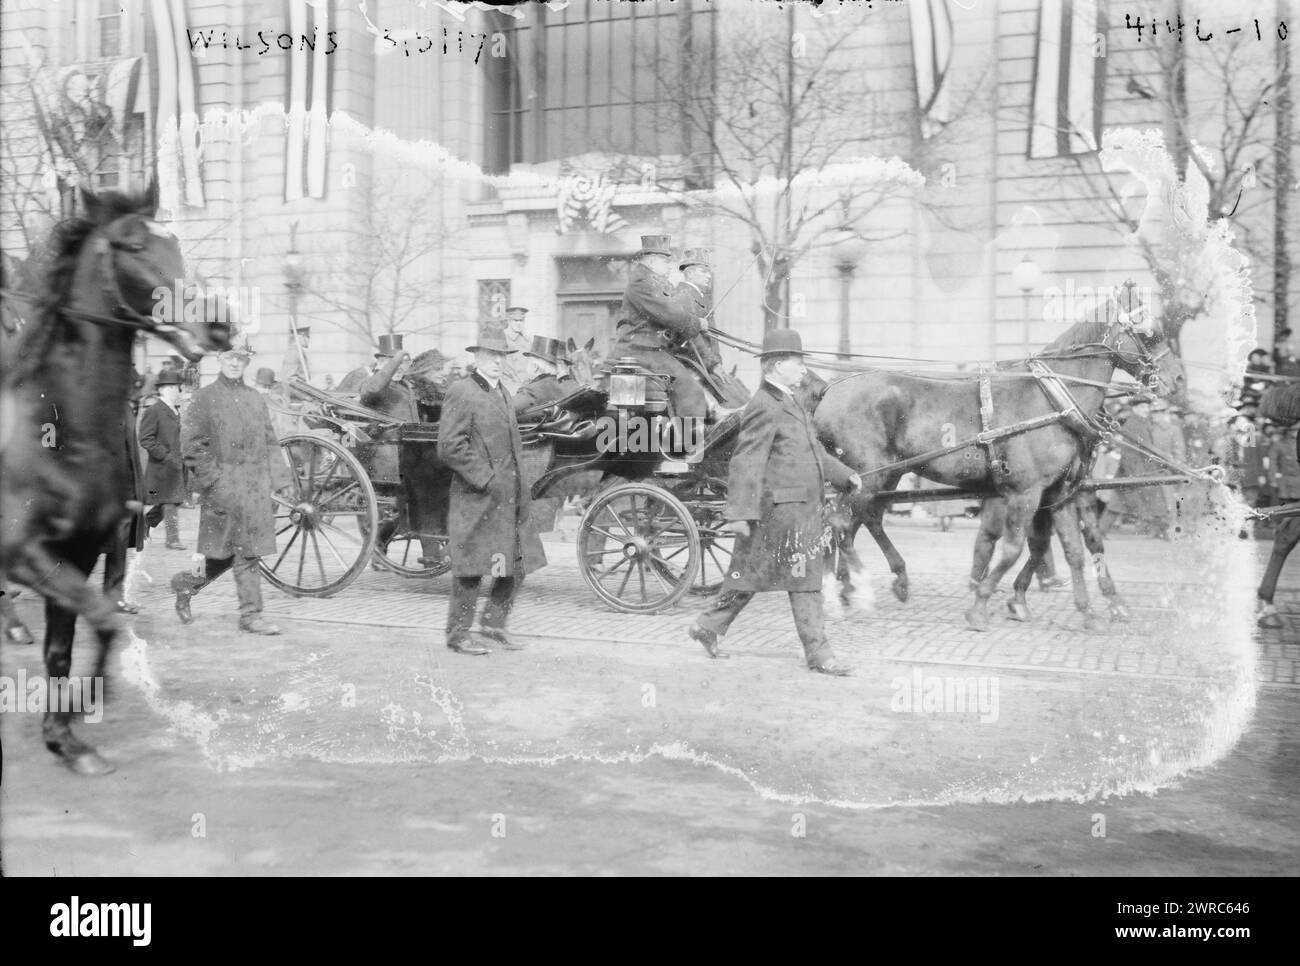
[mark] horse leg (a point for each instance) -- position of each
(11, 626)
(1020, 510)
(1066, 520)
(1040, 538)
(873, 516)
(1285, 538)
(992, 516)
(847, 561)
(1091, 531)
(67, 594)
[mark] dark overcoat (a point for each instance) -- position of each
(160, 436)
(230, 446)
(540, 391)
(777, 475)
(488, 514)
(653, 315)
(701, 304)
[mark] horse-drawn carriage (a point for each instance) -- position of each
(370, 492)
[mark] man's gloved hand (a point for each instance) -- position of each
(855, 483)
(739, 527)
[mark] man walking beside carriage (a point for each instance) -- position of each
(231, 447)
(774, 506)
(488, 518)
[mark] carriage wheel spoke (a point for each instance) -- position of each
(640, 572)
(330, 543)
(285, 551)
(617, 519)
(602, 553)
(342, 533)
(654, 570)
(606, 534)
(320, 562)
(311, 476)
(348, 487)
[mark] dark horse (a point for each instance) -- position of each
(874, 419)
(66, 485)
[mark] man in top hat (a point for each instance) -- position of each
(488, 519)
(696, 290)
(514, 371)
(774, 506)
(231, 448)
(543, 385)
(655, 321)
(164, 475)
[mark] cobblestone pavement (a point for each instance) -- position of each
(930, 628)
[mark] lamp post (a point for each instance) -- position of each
(846, 250)
(1027, 275)
(294, 275)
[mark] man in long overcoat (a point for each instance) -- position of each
(696, 290)
(164, 476)
(488, 514)
(229, 444)
(774, 506)
(654, 321)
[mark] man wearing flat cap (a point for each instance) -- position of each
(488, 519)
(655, 321)
(696, 290)
(514, 371)
(774, 506)
(230, 446)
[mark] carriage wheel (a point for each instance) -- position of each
(638, 548)
(325, 521)
(405, 554)
(716, 548)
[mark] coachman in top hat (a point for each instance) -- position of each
(655, 321)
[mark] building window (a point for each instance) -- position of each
(595, 77)
(493, 298)
(108, 28)
(104, 28)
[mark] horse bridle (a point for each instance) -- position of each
(124, 316)
(1146, 362)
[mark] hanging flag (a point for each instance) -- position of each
(1069, 82)
(176, 119)
(931, 56)
(120, 86)
(307, 98)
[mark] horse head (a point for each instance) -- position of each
(581, 362)
(810, 390)
(141, 271)
(1139, 346)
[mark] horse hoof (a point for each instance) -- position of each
(88, 764)
(977, 619)
(1118, 612)
(900, 588)
(1019, 611)
(19, 634)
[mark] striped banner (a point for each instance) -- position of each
(931, 57)
(1069, 79)
(176, 119)
(307, 100)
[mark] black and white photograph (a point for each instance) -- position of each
(651, 438)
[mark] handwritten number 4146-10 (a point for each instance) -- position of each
(1176, 26)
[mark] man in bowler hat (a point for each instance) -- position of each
(488, 511)
(164, 475)
(774, 506)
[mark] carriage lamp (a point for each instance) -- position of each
(847, 250)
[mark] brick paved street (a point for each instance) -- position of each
(357, 743)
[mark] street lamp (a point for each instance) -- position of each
(847, 250)
(1027, 275)
(294, 275)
